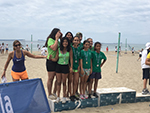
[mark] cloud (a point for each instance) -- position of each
(94, 18)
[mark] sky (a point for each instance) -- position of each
(101, 20)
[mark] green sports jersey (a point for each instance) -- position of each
(86, 59)
(96, 60)
(92, 48)
(50, 51)
(76, 57)
(63, 59)
(81, 46)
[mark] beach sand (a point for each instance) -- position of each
(129, 75)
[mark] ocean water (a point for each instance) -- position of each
(111, 46)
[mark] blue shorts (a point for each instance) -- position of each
(96, 75)
(146, 73)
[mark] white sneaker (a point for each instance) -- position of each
(51, 97)
(55, 96)
(57, 100)
(63, 100)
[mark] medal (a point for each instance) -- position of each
(75, 53)
(86, 56)
(97, 58)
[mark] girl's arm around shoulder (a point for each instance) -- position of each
(56, 57)
(31, 55)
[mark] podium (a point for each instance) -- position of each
(106, 96)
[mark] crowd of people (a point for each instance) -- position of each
(68, 60)
(3, 48)
(76, 65)
(75, 62)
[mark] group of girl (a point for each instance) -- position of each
(72, 61)
(68, 60)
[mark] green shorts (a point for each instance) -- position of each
(74, 70)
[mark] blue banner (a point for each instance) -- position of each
(27, 96)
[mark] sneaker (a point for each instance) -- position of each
(86, 92)
(72, 98)
(51, 97)
(95, 95)
(81, 96)
(55, 96)
(145, 91)
(63, 100)
(77, 95)
(76, 98)
(85, 96)
(89, 95)
(57, 100)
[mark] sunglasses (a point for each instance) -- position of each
(17, 45)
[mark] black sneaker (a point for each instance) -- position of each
(89, 95)
(95, 95)
(76, 98)
(145, 91)
(72, 98)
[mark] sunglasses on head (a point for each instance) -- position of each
(17, 45)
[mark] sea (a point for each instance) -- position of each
(33, 45)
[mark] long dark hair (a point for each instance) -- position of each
(52, 35)
(61, 44)
(73, 39)
(96, 44)
(85, 42)
(71, 35)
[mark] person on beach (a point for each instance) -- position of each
(2, 48)
(98, 60)
(76, 66)
(6, 47)
(18, 56)
(91, 44)
(79, 34)
(145, 68)
(107, 49)
(52, 45)
(27, 48)
(116, 49)
(43, 51)
(140, 54)
(86, 68)
(38, 46)
(69, 35)
(62, 68)
(133, 50)
(147, 62)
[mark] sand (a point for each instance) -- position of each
(129, 75)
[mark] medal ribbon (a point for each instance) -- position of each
(86, 55)
(75, 53)
(97, 58)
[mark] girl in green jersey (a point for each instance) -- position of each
(86, 68)
(76, 67)
(98, 59)
(91, 44)
(62, 68)
(52, 44)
